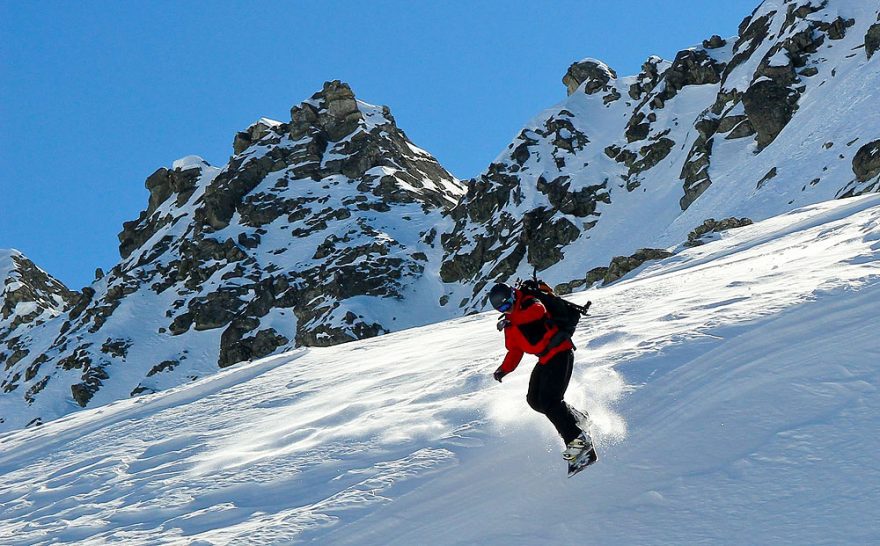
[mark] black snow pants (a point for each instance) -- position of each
(546, 391)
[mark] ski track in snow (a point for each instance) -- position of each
(731, 387)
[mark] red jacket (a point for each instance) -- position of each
(530, 332)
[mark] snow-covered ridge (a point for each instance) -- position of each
(317, 231)
(778, 117)
(27, 293)
(731, 384)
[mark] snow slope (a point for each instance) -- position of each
(733, 389)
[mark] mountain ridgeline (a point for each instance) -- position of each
(334, 226)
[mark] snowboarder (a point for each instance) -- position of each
(528, 328)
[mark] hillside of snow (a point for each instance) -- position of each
(733, 388)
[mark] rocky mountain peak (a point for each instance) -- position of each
(595, 73)
(737, 112)
(29, 297)
(333, 112)
(28, 293)
(331, 134)
(314, 233)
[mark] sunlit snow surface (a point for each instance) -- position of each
(733, 386)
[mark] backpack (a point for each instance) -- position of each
(563, 313)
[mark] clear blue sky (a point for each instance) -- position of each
(95, 96)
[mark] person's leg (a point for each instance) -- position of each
(546, 390)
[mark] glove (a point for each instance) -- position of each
(499, 374)
(503, 323)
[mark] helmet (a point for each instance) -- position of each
(502, 297)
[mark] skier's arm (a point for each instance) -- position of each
(511, 361)
(514, 352)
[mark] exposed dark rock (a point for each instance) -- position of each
(116, 347)
(181, 324)
(247, 138)
(752, 33)
(579, 203)
(769, 106)
(162, 184)
(140, 389)
(652, 154)
(647, 79)
(234, 347)
(836, 29)
(637, 129)
(84, 300)
(866, 161)
(691, 67)
(595, 275)
(612, 96)
(17, 355)
(714, 226)
(33, 286)
(695, 171)
(546, 238)
(325, 336)
(34, 368)
(159, 186)
(164, 366)
(714, 42)
(596, 74)
(808, 72)
(93, 378)
(337, 115)
(741, 130)
(10, 384)
(621, 265)
(227, 190)
(216, 309)
(771, 174)
(35, 389)
(872, 40)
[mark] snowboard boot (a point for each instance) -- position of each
(583, 420)
(577, 447)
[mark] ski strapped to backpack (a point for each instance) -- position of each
(563, 313)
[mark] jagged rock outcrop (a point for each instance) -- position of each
(27, 293)
(761, 86)
(312, 234)
(866, 162)
(621, 265)
(595, 73)
(699, 235)
(769, 107)
(723, 102)
(29, 297)
(872, 40)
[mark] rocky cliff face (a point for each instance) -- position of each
(333, 226)
(318, 231)
(29, 297)
(779, 116)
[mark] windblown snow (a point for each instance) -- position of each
(733, 388)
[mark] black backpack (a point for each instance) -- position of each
(564, 314)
